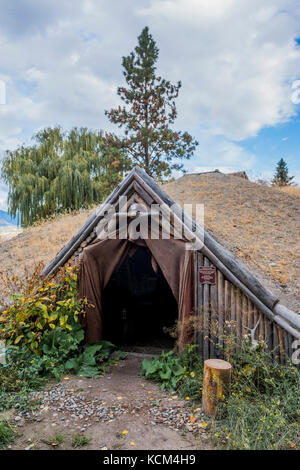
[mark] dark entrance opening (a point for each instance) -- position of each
(139, 308)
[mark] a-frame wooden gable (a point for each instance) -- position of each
(237, 296)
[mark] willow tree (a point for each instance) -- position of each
(61, 171)
(148, 113)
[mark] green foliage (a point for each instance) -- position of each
(171, 369)
(45, 340)
(57, 439)
(62, 171)
(18, 378)
(263, 408)
(63, 351)
(80, 441)
(48, 306)
(57, 347)
(191, 384)
(93, 361)
(254, 368)
(166, 369)
(7, 434)
(149, 141)
(260, 424)
(281, 177)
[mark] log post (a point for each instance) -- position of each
(216, 382)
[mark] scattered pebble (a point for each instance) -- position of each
(81, 409)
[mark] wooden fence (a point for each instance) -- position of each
(222, 309)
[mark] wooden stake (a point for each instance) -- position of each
(206, 317)
(216, 383)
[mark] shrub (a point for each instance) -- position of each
(26, 371)
(43, 308)
(45, 339)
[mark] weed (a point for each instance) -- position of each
(57, 439)
(80, 441)
(7, 434)
(167, 369)
(176, 371)
(18, 378)
(191, 384)
(262, 411)
(93, 360)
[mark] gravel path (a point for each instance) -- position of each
(117, 411)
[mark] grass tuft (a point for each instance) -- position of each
(80, 441)
(57, 439)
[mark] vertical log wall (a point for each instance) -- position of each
(223, 308)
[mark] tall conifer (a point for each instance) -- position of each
(281, 177)
(148, 113)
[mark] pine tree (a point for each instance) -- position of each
(63, 171)
(148, 113)
(281, 177)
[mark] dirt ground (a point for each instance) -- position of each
(119, 411)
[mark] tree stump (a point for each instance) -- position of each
(216, 383)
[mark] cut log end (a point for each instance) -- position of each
(216, 383)
(217, 364)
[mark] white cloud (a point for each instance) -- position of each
(237, 60)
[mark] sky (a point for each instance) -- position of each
(238, 60)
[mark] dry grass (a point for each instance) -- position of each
(40, 243)
(259, 224)
(292, 190)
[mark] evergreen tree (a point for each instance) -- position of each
(148, 113)
(281, 177)
(63, 171)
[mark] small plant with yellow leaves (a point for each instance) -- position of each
(48, 305)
